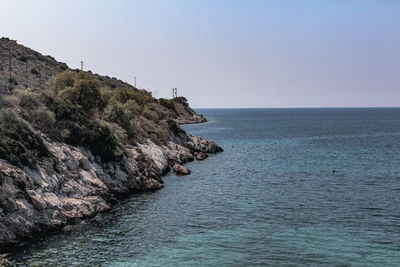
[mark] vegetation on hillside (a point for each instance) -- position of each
(19, 145)
(79, 112)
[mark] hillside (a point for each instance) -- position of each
(30, 69)
(73, 143)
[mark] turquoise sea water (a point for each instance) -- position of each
(271, 199)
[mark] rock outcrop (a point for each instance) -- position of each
(78, 186)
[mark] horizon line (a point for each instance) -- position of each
(344, 107)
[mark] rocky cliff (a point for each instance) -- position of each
(64, 158)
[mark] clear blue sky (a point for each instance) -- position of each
(226, 53)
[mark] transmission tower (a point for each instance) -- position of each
(174, 92)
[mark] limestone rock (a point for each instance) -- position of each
(201, 156)
(48, 197)
(180, 170)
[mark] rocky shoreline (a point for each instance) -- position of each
(48, 198)
(65, 159)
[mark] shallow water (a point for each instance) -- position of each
(270, 199)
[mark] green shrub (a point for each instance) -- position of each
(34, 71)
(168, 103)
(181, 100)
(151, 115)
(7, 206)
(142, 97)
(63, 66)
(117, 130)
(88, 92)
(111, 84)
(12, 81)
(174, 127)
(104, 144)
(29, 100)
(161, 115)
(85, 91)
(115, 112)
(151, 131)
(23, 58)
(42, 119)
(132, 109)
(34, 111)
(63, 80)
(149, 107)
(69, 95)
(122, 94)
(75, 127)
(19, 145)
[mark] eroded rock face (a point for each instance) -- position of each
(77, 185)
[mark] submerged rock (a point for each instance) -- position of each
(201, 156)
(180, 170)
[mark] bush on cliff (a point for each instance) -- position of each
(34, 111)
(141, 97)
(132, 109)
(85, 93)
(79, 89)
(174, 127)
(19, 145)
(115, 113)
(168, 103)
(78, 112)
(75, 127)
(63, 80)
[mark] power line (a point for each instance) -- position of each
(130, 76)
(154, 83)
(109, 71)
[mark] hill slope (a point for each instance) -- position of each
(72, 143)
(30, 69)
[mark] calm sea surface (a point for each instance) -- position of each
(270, 199)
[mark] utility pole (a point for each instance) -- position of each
(81, 65)
(9, 59)
(26, 73)
(135, 81)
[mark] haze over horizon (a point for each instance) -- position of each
(226, 53)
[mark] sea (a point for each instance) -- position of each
(293, 187)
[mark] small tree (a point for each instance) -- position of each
(88, 92)
(62, 80)
(79, 89)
